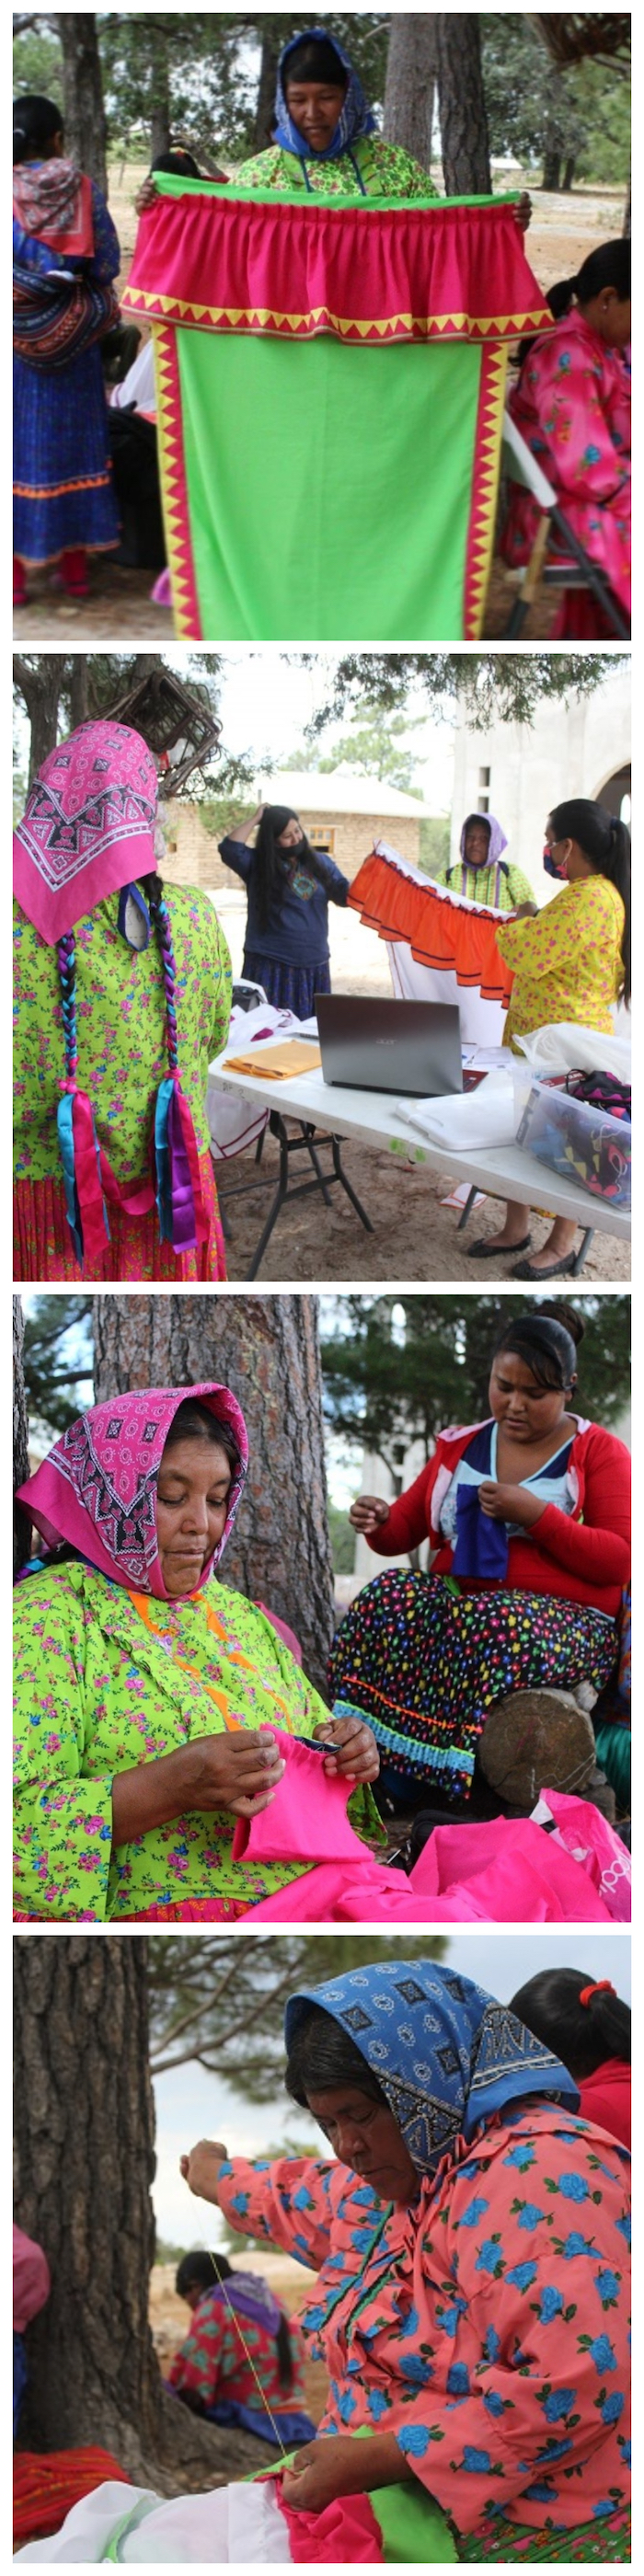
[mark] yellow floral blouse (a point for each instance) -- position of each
(567, 960)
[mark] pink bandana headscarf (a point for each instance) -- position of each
(97, 1489)
(88, 826)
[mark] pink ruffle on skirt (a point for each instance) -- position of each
(43, 1249)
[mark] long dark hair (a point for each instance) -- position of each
(583, 2034)
(35, 122)
(609, 265)
(272, 864)
(606, 844)
(202, 2271)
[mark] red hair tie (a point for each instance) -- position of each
(603, 1988)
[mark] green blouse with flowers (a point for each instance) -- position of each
(386, 170)
(107, 1679)
(122, 1046)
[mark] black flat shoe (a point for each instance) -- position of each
(555, 1270)
(487, 1249)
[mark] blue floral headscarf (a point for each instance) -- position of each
(446, 2055)
(356, 118)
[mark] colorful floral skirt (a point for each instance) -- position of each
(592, 2544)
(288, 988)
(43, 1248)
(424, 1663)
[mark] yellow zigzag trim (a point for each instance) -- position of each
(255, 317)
(486, 502)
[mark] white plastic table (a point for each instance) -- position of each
(373, 1119)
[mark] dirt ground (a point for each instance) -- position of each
(119, 609)
(290, 2282)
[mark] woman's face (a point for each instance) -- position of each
(477, 843)
(523, 1408)
(291, 835)
(365, 2136)
(315, 108)
(192, 1497)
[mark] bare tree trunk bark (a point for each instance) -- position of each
(271, 50)
(160, 122)
(461, 104)
(267, 1350)
(21, 1525)
(85, 129)
(84, 2166)
(409, 89)
(41, 688)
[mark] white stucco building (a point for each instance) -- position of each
(518, 772)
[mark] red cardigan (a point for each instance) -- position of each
(582, 1558)
(605, 2098)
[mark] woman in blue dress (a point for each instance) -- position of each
(289, 888)
(64, 501)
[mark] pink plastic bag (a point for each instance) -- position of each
(595, 1847)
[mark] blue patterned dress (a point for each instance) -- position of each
(63, 489)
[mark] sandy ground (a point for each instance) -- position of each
(415, 1235)
(290, 2282)
(563, 229)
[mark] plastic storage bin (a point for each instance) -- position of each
(577, 1141)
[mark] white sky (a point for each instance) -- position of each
(191, 2104)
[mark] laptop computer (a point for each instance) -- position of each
(413, 1048)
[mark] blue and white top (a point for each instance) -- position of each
(479, 1462)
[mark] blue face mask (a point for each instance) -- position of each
(551, 868)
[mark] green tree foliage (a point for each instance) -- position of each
(553, 120)
(222, 2002)
(434, 841)
(342, 1540)
(485, 688)
(37, 62)
(398, 1368)
(57, 691)
(376, 749)
(57, 1360)
(209, 76)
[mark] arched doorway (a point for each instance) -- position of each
(615, 793)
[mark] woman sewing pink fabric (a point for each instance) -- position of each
(572, 405)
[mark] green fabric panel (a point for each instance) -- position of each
(170, 185)
(414, 2530)
(329, 486)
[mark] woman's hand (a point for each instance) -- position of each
(510, 1503)
(356, 1756)
(526, 911)
(368, 1512)
(147, 196)
(524, 211)
(201, 2168)
(239, 1773)
(338, 2465)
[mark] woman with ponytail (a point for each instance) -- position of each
(289, 888)
(572, 405)
(65, 253)
(571, 961)
(122, 997)
(590, 2028)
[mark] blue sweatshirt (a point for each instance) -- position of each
(297, 933)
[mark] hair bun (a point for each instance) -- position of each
(569, 1316)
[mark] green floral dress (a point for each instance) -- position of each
(106, 1679)
(385, 171)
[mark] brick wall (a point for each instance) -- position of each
(192, 856)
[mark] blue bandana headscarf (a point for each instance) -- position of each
(446, 2054)
(356, 118)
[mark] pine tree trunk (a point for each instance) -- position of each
(160, 119)
(85, 130)
(21, 1525)
(409, 89)
(461, 105)
(552, 169)
(41, 686)
(569, 172)
(267, 1350)
(84, 2166)
(271, 50)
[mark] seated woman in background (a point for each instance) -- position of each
(572, 961)
(528, 1520)
(590, 2028)
(147, 1694)
(64, 500)
(478, 2360)
(125, 983)
(289, 888)
(243, 2360)
(572, 404)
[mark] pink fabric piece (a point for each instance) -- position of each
(88, 826)
(346, 2533)
(594, 1845)
(307, 1819)
(287, 1634)
(98, 1487)
(31, 2279)
(507, 1871)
